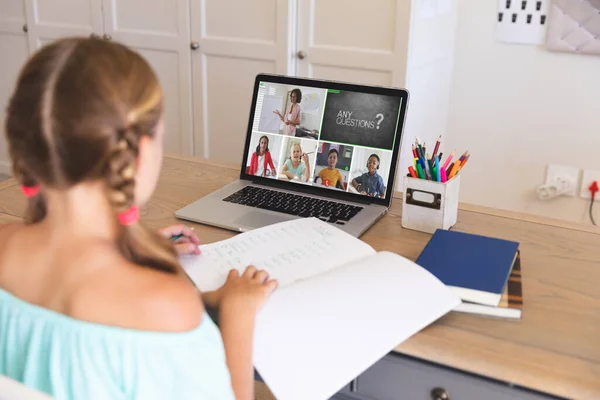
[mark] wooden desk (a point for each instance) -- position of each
(555, 348)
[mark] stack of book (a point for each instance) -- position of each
(484, 272)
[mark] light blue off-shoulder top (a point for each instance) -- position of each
(73, 359)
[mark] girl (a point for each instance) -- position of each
(296, 167)
(292, 115)
(261, 159)
(92, 305)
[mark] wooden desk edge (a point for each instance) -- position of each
(398, 197)
(10, 182)
(462, 206)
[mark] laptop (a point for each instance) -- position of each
(313, 148)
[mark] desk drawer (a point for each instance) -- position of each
(397, 377)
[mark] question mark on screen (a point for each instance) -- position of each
(380, 115)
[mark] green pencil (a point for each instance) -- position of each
(420, 171)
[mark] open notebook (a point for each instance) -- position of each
(340, 306)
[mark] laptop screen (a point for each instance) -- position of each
(324, 137)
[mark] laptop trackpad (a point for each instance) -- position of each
(253, 220)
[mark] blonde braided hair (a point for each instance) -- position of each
(77, 114)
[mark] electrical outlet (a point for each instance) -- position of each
(589, 176)
(567, 174)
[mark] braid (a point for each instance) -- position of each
(61, 126)
(137, 244)
(120, 169)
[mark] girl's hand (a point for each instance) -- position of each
(305, 158)
(248, 291)
(187, 243)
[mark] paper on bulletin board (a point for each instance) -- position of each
(522, 21)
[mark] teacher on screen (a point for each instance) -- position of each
(291, 119)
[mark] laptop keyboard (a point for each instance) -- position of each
(294, 204)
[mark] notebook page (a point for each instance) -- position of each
(289, 251)
(315, 336)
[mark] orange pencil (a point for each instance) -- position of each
(454, 169)
(462, 164)
(412, 171)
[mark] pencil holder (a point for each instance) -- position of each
(429, 205)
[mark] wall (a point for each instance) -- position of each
(429, 77)
(517, 108)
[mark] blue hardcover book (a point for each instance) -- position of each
(475, 267)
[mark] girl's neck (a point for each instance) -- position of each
(295, 163)
(81, 211)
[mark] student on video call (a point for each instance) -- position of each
(261, 159)
(370, 183)
(291, 119)
(297, 166)
(330, 176)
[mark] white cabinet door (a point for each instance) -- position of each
(236, 41)
(354, 40)
(14, 48)
(52, 19)
(159, 31)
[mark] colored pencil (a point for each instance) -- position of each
(443, 175)
(437, 146)
(421, 153)
(412, 172)
(420, 171)
(455, 169)
(430, 162)
(448, 159)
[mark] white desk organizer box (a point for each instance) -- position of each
(429, 205)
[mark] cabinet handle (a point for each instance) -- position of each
(95, 36)
(194, 45)
(301, 55)
(25, 28)
(354, 385)
(107, 37)
(439, 393)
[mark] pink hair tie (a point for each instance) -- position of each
(129, 216)
(30, 191)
